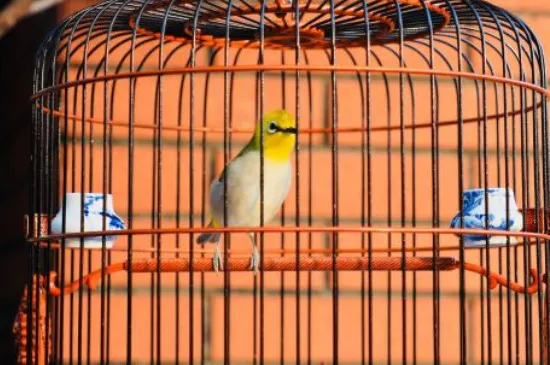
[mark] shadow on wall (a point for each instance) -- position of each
(17, 51)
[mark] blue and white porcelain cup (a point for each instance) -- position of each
(474, 212)
(93, 219)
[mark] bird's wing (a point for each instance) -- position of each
(242, 153)
(243, 191)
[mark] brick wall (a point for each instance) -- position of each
(315, 326)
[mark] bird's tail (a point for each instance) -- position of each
(211, 237)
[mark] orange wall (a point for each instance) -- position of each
(536, 14)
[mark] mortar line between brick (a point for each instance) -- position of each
(346, 148)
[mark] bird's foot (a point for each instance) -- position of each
(255, 260)
(217, 261)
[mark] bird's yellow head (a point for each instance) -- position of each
(279, 128)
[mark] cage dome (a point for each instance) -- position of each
(415, 226)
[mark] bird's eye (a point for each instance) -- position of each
(272, 128)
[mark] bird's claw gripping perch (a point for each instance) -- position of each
(217, 261)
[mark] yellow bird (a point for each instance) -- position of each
(242, 177)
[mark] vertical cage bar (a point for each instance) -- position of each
(226, 156)
(335, 186)
(261, 108)
(403, 205)
(309, 207)
(297, 62)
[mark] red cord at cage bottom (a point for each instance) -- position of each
(302, 264)
(40, 329)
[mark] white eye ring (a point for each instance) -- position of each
(272, 128)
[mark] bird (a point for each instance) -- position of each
(242, 178)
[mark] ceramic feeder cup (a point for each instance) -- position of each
(475, 203)
(94, 214)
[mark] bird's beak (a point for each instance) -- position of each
(290, 130)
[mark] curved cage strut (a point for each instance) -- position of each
(262, 68)
(305, 264)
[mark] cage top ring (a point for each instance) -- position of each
(383, 24)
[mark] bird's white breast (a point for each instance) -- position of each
(243, 187)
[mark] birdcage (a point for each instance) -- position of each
(415, 228)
